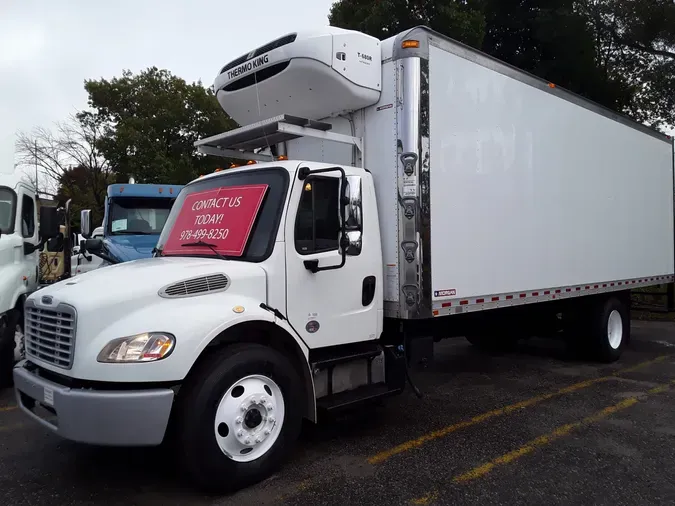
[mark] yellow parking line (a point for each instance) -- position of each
(549, 438)
(6, 428)
(437, 434)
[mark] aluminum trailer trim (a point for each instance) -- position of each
(470, 305)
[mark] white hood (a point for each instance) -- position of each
(138, 282)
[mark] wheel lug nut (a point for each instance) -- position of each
(258, 440)
(270, 408)
(240, 433)
(267, 432)
(271, 419)
(252, 402)
(239, 420)
(247, 441)
(243, 408)
(263, 400)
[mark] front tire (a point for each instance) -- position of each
(239, 415)
(10, 328)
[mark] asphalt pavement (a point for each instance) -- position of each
(533, 426)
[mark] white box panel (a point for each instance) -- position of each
(530, 191)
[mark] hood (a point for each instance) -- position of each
(126, 287)
(130, 247)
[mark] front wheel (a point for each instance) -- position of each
(11, 345)
(239, 415)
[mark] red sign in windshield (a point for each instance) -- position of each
(222, 217)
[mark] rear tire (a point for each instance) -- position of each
(245, 400)
(599, 329)
(610, 329)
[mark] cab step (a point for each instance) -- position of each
(352, 398)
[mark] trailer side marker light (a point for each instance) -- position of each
(282, 157)
(233, 165)
(161, 190)
(495, 299)
(171, 191)
(238, 309)
(407, 44)
(551, 85)
(218, 169)
(251, 162)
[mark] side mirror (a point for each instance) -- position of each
(93, 246)
(49, 223)
(85, 223)
(353, 215)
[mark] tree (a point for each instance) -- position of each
(50, 158)
(463, 20)
(151, 121)
(636, 42)
(619, 53)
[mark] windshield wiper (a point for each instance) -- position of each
(212, 247)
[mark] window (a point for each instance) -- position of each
(7, 210)
(27, 216)
(264, 233)
(139, 215)
(317, 225)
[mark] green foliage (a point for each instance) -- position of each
(462, 20)
(151, 121)
(620, 53)
(86, 191)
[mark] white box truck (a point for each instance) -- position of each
(392, 193)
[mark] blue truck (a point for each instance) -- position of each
(133, 219)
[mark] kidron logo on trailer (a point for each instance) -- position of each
(248, 66)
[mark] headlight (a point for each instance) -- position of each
(146, 347)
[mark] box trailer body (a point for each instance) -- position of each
(392, 193)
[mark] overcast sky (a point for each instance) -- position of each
(48, 48)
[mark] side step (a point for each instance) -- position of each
(352, 398)
(324, 358)
(385, 376)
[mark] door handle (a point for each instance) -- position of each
(368, 290)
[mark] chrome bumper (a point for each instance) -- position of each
(100, 417)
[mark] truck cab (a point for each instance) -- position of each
(134, 216)
(21, 239)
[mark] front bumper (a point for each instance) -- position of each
(100, 417)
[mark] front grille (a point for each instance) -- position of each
(50, 334)
(196, 286)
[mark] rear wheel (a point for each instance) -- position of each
(239, 416)
(610, 329)
(599, 329)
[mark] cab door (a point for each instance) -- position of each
(27, 229)
(329, 303)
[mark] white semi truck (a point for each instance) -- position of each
(22, 240)
(392, 193)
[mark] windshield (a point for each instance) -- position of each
(7, 210)
(138, 215)
(233, 215)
